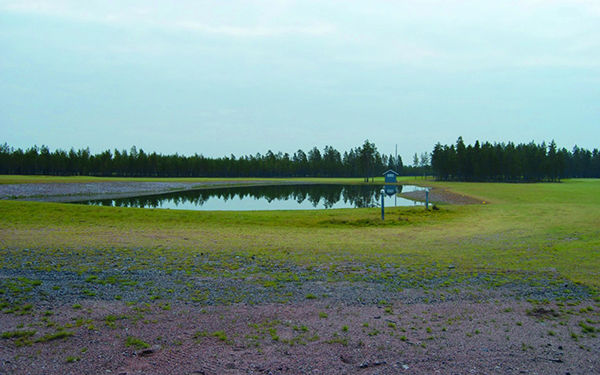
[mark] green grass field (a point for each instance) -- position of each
(526, 229)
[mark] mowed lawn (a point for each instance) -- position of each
(546, 228)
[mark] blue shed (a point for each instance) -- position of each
(390, 176)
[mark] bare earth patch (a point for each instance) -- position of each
(443, 196)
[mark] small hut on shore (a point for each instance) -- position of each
(390, 176)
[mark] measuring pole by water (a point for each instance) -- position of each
(427, 198)
(382, 204)
(396, 165)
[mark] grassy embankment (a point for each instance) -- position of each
(539, 229)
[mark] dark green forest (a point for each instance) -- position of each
(458, 162)
(508, 162)
(364, 161)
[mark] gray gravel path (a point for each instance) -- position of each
(70, 192)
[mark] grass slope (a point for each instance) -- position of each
(529, 228)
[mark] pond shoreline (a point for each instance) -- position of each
(78, 192)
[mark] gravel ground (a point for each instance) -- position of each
(313, 337)
(70, 192)
(151, 322)
(442, 196)
(54, 287)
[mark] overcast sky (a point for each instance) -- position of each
(222, 77)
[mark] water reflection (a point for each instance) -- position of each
(392, 189)
(275, 197)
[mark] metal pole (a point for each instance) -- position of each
(382, 205)
(426, 199)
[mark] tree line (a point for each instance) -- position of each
(529, 162)
(363, 161)
(457, 162)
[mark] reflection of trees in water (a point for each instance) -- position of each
(361, 196)
(327, 195)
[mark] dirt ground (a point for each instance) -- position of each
(313, 337)
(442, 196)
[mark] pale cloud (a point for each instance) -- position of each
(455, 34)
(259, 31)
(192, 16)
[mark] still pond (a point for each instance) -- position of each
(270, 197)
